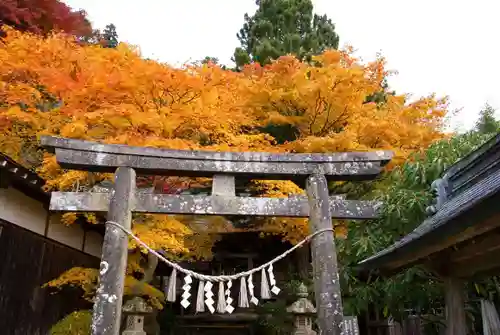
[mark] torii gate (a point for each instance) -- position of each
(125, 161)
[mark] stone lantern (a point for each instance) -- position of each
(135, 309)
(303, 310)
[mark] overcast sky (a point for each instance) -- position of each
(449, 47)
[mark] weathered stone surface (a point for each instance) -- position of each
(224, 185)
(302, 309)
(324, 259)
(302, 305)
(91, 156)
(108, 300)
(440, 189)
(224, 168)
(148, 165)
(351, 325)
(51, 142)
(215, 205)
(137, 306)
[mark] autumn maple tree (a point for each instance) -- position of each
(57, 87)
(43, 16)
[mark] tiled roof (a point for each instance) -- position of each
(22, 178)
(468, 183)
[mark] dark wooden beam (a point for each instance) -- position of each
(474, 266)
(469, 259)
(214, 205)
(485, 273)
(476, 247)
(4, 179)
(434, 247)
(212, 320)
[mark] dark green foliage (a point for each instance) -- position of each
(211, 61)
(76, 323)
(167, 319)
(273, 317)
(281, 132)
(241, 57)
(281, 27)
(406, 193)
(109, 36)
(208, 59)
(487, 124)
(381, 96)
(91, 38)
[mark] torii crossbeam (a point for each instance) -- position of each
(312, 169)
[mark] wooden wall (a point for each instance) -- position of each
(34, 249)
(27, 261)
(21, 210)
(26, 212)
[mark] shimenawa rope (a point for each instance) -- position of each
(221, 278)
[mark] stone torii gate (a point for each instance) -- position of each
(313, 170)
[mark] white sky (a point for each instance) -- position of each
(449, 47)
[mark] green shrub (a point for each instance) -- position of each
(76, 323)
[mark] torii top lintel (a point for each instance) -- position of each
(98, 157)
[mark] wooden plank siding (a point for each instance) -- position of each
(35, 248)
(27, 261)
(33, 215)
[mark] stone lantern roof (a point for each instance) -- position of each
(137, 306)
(302, 306)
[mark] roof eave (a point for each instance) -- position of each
(450, 220)
(23, 179)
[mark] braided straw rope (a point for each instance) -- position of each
(221, 278)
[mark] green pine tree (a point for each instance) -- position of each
(487, 123)
(110, 36)
(209, 59)
(281, 27)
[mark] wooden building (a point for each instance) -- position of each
(234, 252)
(35, 248)
(461, 237)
